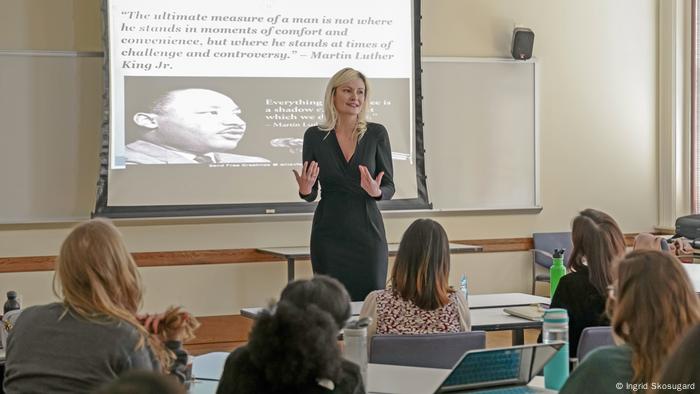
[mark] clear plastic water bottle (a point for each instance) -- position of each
(11, 304)
(555, 327)
(355, 341)
(463, 285)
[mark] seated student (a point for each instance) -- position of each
(651, 307)
(682, 366)
(419, 299)
(93, 335)
(293, 345)
(646, 241)
(597, 242)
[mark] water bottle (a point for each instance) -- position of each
(555, 327)
(556, 271)
(355, 349)
(463, 285)
(11, 304)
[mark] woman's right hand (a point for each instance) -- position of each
(307, 178)
(174, 324)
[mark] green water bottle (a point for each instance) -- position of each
(556, 271)
(555, 328)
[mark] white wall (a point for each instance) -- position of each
(598, 149)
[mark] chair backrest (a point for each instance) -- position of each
(547, 242)
(591, 338)
(425, 350)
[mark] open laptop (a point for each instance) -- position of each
(500, 370)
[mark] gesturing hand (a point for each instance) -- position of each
(371, 185)
(308, 176)
(174, 324)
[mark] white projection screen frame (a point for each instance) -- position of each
(249, 79)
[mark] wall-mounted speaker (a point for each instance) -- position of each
(523, 41)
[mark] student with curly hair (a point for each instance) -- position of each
(651, 307)
(419, 299)
(94, 334)
(293, 345)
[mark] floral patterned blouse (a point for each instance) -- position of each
(393, 315)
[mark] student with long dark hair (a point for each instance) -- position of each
(419, 299)
(293, 345)
(598, 241)
(651, 306)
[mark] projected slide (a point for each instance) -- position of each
(209, 100)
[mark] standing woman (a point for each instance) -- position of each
(352, 160)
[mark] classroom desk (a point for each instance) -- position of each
(693, 271)
(486, 311)
(479, 301)
(476, 301)
(382, 378)
(390, 379)
(495, 319)
(293, 253)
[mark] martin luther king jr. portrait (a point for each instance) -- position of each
(191, 125)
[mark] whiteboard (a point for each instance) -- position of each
(50, 106)
(480, 133)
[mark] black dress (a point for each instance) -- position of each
(347, 236)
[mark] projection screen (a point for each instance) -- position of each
(233, 86)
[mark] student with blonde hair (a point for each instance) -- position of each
(651, 306)
(351, 159)
(419, 299)
(93, 334)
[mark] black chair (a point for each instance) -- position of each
(544, 244)
(425, 350)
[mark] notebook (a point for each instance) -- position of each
(530, 312)
(500, 370)
(209, 366)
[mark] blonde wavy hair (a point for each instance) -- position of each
(98, 280)
(331, 114)
(654, 306)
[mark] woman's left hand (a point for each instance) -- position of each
(369, 184)
(156, 324)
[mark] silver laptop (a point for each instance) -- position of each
(500, 370)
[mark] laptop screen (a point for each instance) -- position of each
(502, 365)
(497, 367)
